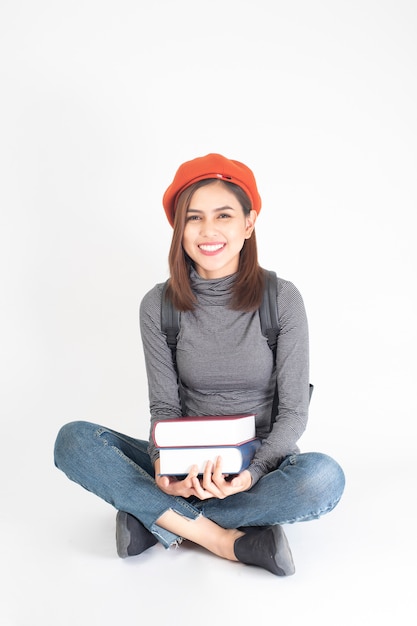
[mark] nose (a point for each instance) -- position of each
(207, 228)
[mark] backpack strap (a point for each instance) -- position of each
(269, 318)
(268, 312)
(170, 323)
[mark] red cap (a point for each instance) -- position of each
(210, 166)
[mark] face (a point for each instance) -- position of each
(215, 230)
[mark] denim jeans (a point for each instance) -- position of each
(117, 468)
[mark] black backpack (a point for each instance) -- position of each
(268, 313)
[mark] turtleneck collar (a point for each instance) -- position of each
(212, 291)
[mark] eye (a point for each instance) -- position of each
(192, 218)
(223, 216)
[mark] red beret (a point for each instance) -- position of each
(210, 166)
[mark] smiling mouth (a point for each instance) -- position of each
(213, 247)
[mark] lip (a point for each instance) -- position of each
(211, 249)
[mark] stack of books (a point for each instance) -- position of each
(187, 441)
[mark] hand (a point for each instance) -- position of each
(186, 487)
(213, 484)
(216, 483)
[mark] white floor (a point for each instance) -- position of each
(355, 566)
(100, 101)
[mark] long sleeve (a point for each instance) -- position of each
(292, 372)
(163, 388)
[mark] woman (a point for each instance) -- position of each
(225, 368)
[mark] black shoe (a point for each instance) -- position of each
(132, 537)
(268, 548)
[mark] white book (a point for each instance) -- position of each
(178, 461)
(204, 431)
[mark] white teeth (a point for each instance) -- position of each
(211, 248)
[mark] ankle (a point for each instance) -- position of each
(227, 547)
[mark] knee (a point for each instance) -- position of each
(322, 475)
(69, 442)
(329, 475)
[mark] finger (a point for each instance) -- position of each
(199, 491)
(163, 482)
(187, 481)
(218, 465)
(207, 474)
(218, 477)
(206, 488)
(193, 472)
(212, 489)
(242, 481)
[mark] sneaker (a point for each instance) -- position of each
(132, 538)
(266, 547)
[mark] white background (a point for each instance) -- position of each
(100, 103)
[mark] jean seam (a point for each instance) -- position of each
(128, 440)
(313, 516)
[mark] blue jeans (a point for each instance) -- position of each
(118, 469)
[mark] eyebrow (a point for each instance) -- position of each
(218, 210)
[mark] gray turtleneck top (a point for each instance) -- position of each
(226, 366)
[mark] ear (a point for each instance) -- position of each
(250, 223)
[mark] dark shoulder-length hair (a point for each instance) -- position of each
(248, 287)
